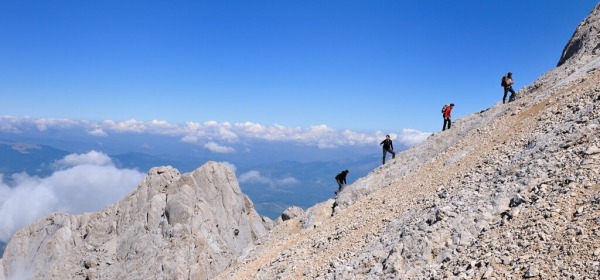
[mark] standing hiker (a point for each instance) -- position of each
(507, 83)
(341, 180)
(388, 147)
(447, 115)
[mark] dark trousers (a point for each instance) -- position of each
(388, 151)
(512, 94)
(341, 185)
(447, 122)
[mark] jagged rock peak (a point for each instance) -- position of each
(172, 226)
(585, 42)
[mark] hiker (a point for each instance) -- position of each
(388, 147)
(341, 180)
(507, 83)
(447, 116)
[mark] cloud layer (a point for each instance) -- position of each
(80, 183)
(217, 137)
(254, 177)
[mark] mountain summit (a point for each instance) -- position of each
(171, 226)
(509, 192)
(585, 42)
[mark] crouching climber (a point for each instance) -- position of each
(341, 180)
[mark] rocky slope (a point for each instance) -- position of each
(173, 226)
(510, 192)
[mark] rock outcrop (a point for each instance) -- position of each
(173, 226)
(585, 42)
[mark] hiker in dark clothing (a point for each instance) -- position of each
(388, 147)
(507, 83)
(341, 180)
(447, 116)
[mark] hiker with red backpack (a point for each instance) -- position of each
(507, 83)
(446, 113)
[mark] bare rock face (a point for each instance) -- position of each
(173, 226)
(585, 42)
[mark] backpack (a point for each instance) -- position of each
(444, 108)
(503, 83)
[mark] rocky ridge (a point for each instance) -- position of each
(172, 226)
(584, 45)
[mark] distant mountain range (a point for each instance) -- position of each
(33, 159)
(272, 185)
(312, 181)
(276, 172)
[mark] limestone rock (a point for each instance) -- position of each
(585, 42)
(292, 212)
(171, 226)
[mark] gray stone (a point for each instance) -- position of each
(292, 212)
(171, 226)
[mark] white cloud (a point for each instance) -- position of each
(412, 137)
(192, 126)
(211, 123)
(164, 127)
(44, 124)
(216, 148)
(189, 139)
(287, 181)
(252, 127)
(97, 132)
(225, 132)
(163, 124)
(9, 128)
(91, 158)
(87, 182)
(219, 135)
(125, 126)
(254, 177)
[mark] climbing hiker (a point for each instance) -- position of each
(341, 180)
(507, 83)
(388, 147)
(447, 116)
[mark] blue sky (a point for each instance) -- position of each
(356, 65)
